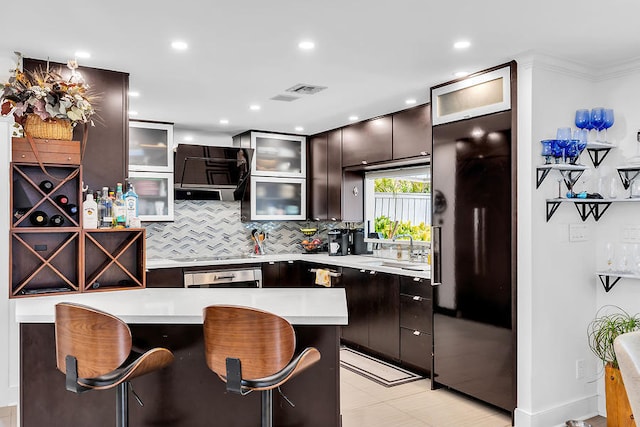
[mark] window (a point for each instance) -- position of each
(398, 201)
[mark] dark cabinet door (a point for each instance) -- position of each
(318, 200)
(353, 196)
(334, 175)
(412, 132)
(270, 274)
(367, 142)
(384, 322)
(165, 278)
(291, 275)
(356, 286)
(104, 161)
(416, 348)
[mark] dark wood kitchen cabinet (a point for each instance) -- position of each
(281, 274)
(105, 157)
(165, 278)
(416, 322)
(367, 142)
(325, 183)
(373, 305)
(412, 132)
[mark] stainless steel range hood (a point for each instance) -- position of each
(204, 172)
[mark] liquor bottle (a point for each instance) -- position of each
(46, 186)
(56, 221)
(131, 202)
(39, 218)
(62, 200)
(104, 209)
(89, 212)
(119, 208)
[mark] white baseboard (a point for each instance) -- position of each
(580, 409)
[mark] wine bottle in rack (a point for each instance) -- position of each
(39, 218)
(56, 221)
(71, 209)
(62, 200)
(46, 186)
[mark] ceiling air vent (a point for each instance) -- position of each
(304, 89)
(286, 98)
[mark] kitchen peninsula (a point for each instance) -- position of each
(186, 393)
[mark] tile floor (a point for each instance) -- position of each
(365, 403)
(8, 416)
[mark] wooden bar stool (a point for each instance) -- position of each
(252, 349)
(93, 349)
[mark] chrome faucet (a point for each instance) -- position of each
(410, 243)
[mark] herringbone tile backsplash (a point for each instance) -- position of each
(213, 228)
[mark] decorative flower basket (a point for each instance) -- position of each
(60, 129)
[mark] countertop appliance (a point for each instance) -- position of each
(358, 245)
(211, 173)
(338, 242)
(474, 332)
(249, 277)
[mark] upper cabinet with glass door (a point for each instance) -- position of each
(150, 146)
(278, 155)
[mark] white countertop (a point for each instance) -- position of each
(300, 306)
(352, 261)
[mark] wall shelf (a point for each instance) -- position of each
(570, 173)
(598, 151)
(609, 279)
(586, 207)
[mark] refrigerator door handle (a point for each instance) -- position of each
(436, 262)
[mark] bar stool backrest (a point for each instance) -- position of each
(264, 342)
(99, 341)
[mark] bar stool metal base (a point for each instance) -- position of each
(122, 404)
(267, 408)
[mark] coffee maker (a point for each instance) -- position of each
(358, 245)
(338, 242)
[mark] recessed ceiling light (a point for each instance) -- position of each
(224, 121)
(461, 74)
(462, 44)
(134, 94)
(133, 113)
(254, 107)
(299, 128)
(353, 118)
(82, 54)
(188, 138)
(306, 45)
(410, 101)
(179, 45)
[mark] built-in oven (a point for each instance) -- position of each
(240, 277)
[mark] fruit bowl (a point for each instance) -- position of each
(312, 246)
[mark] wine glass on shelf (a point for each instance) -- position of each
(580, 136)
(609, 250)
(597, 120)
(608, 122)
(557, 151)
(547, 150)
(583, 119)
(563, 136)
(572, 152)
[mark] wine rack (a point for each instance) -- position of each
(57, 255)
(114, 259)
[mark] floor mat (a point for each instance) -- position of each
(376, 370)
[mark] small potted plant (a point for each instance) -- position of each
(611, 321)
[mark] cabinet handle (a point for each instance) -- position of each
(316, 219)
(416, 333)
(416, 298)
(372, 272)
(436, 265)
(289, 262)
(271, 262)
(417, 279)
(364, 162)
(363, 271)
(423, 153)
(334, 219)
(355, 191)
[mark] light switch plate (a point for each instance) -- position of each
(578, 233)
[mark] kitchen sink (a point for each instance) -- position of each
(407, 265)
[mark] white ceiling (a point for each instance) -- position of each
(372, 55)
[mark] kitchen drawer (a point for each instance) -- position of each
(415, 313)
(416, 348)
(416, 286)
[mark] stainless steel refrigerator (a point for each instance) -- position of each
(473, 176)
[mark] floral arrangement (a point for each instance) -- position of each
(46, 94)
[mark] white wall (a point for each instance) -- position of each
(558, 292)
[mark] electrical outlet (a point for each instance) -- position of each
(580, 369)
(578, 233)
(631, 234)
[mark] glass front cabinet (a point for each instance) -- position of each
(151, 168)
(278, 176)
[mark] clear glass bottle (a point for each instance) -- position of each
(119, 208)
(104, 209)
(131, 203)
